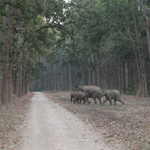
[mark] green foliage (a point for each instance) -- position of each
(108, 25)
(63, 33)
(131, 91)
(1, 77)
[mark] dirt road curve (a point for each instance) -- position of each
(51, 127)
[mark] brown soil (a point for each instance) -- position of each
(128, 125)
(48, 126)
(11, 119)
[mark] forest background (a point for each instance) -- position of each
(58, 45)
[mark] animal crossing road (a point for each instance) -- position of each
(50, 127)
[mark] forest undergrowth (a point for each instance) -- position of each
(128, 125)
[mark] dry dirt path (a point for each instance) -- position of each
(51, 127)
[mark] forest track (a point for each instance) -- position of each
(49, 126)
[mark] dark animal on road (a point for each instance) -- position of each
(112, 94)
(92, 91)
(78, 96)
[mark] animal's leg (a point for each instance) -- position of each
(110, 101)
(80, 101)
(84, 101)
(95, 100)
(121, 101)
(105, 100)
(100, 102)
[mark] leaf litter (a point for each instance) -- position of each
(11, 119)
(127, 125)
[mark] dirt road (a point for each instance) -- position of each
(51, 127)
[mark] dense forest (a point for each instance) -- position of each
(58, 45)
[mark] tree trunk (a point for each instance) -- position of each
(89, 73)
(93, 70)
(6, 80)
(122, 80)
(1, 78)
(98, 66)
(54, 76)
(5, 87)
(145, 11)
(70, 77)
(104, 77)
(97, 73)
(126, 76)
(82, 75)
(142, 85)
(119, 78)
(9, 85)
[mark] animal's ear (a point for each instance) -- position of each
(78, 89)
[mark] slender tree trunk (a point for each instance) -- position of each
(70, 77)
(126, 76)
(1, 77)
(142, 85)
(144, 81)
(104, 77)
(89, 73)
(54, 75)
(23, 84)
(122, 80)
(119, 78)
(136, 79)
(16, 84)
(97, 73)
(98, 58)
(5, 87)
(9, 85)
(26, 86)
(145, 11)
(108, 76)
(82, 75)
(93, 70)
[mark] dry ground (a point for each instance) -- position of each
(48, 126)
(11, 119)
(128, 124)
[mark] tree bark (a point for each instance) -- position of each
(119, 78)
(70, 77)
(82, 75)
(93, 70)
(141, 73)
(145, 11)
(1, 77)
(126, 76)
(122, 80)
(89, 73)
(9, 84)
(5, 86)
(98, 65)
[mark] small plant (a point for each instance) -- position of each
(131, 90)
